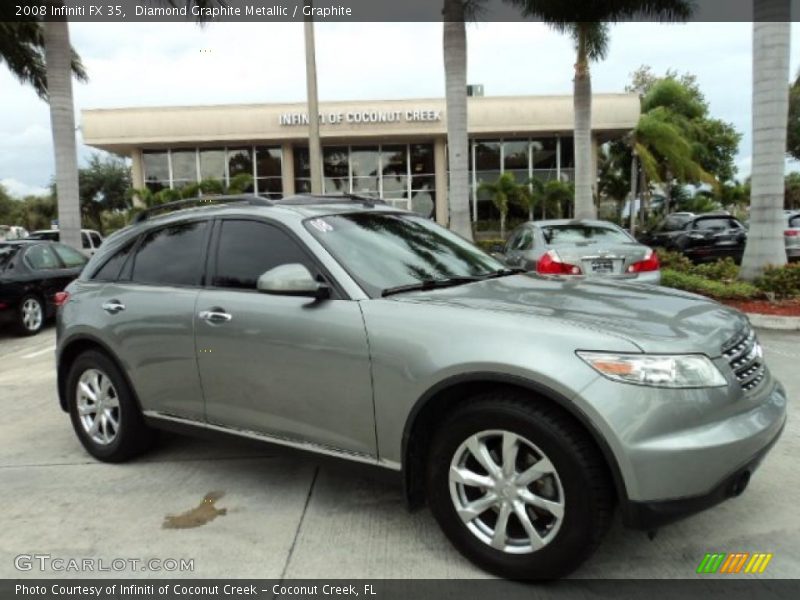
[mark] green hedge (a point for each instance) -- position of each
(719, 290)
(489, 245)
(782, 282)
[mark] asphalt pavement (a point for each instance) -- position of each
(278, 516)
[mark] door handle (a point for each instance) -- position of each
(112, 307)
(215, 316)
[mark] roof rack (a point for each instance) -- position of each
(199, 201)
(310, 199)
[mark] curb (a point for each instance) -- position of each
(774, 322)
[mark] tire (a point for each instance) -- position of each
(579, 483)
(107, 442)
(30, 315)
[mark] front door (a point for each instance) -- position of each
(291, 367)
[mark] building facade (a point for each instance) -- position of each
(394, 149)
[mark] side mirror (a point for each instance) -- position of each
(292, 280)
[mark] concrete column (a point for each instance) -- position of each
(137, 175)
(287, 169)
(440, 165)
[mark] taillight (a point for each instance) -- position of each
(61, 298)
(791, 232)
(550, 264)
(650, 263)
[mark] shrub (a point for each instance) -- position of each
(720, 270)
(783, 282)
(490, 245)
(674, 261)
(719, 290)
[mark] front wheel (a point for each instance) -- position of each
(518, 487)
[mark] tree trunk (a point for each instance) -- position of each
(634, 176)
(455, 70)
(530, 213)
(584, 202)
(771, 41)
(314, 143)
(668, 192)
(58, 54)
(503, 225)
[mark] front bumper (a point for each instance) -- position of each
(648, 516)
(679, 451)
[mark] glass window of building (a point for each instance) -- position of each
(488, 168)
(567, 159)
(394, 161)
(544, 158)
(240, 163)
(156, 170)
(423, 180)
(184, 167)
(302, 170)
(335, 170)
(212, 164)
(515, 159)
(269, 170)
(365, 166)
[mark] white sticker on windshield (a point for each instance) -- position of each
(321, 225)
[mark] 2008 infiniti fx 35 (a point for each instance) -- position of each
(522, 408)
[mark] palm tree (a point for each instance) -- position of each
(502, 191)
(454, 44)
(530, 194)
(587, 23)
(25, 47)
(314, 141)
(771, 42)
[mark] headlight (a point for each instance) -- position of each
(680, 371)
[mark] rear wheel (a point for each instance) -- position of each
(30, 317)
(104, 413)
(518, 487)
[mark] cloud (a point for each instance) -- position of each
(19, 189)
(149, 64)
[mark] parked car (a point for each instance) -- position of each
(521, 407)
(32, 273)
(581, 248)
(701, 238)
(90, 240)
(792, 236)
(12, 232)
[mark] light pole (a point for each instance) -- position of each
(314, 144)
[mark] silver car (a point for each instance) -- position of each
(792, 236)
(523, 409)
(581, 248)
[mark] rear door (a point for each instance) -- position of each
(293, 368)
(146, 312)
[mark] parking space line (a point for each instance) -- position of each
(40, 352)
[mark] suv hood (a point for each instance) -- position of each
(656, 319)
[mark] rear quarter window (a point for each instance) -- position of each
(172, 255)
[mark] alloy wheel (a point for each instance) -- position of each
(32, 314)
(98, 406)
(506, 491)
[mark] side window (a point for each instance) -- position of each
(111, 268)
(511, 244)
(69, 256)
(247, 249)
(96, 241)
(41, 258)
(794, 221)
(526, 240)
(85, 241)
(172, 255)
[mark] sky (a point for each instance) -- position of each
(162, 64)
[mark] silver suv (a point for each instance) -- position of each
(522, 408)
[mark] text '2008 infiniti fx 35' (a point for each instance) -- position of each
(522, 408)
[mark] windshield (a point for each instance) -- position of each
(382, 251)
(673, 223)
(571, 234)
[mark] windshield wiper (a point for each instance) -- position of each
(503, 273)
(429, 284)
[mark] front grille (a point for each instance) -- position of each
(744, 355)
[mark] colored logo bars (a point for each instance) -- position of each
(737, 562)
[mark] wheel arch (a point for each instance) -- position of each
(432, 406)
(71, 350)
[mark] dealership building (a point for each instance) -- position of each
(395, 149)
